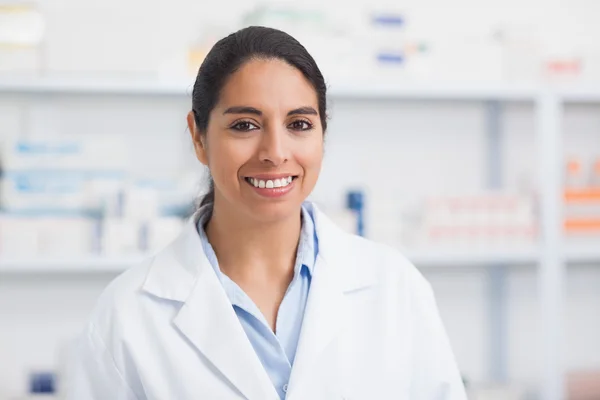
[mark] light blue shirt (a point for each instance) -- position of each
(276, 351)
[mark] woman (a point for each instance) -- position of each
(262, 297)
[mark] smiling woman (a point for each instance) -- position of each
(262, 297)
(256, 80)
(263, 126)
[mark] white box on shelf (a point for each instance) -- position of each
(66, 237)
(42, 190)
(120, 236)
(22, 29)
(140, 204)
(478, 221)
(63, 174)
(86, 153)
(497, 392)
(19, 236)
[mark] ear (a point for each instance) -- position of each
(197, 139)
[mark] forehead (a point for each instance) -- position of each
(268, 85)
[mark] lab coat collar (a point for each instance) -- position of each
(182, 273)
(175, 269)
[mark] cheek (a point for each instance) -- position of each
(226, 156)
(310, 156)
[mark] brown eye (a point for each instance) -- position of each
(300, 125)
(244, 126)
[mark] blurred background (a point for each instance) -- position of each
(465, 133)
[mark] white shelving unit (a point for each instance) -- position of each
(580, 94)
(118, 87)
(584, 254)
(116, 265)
(448, 259)
(551, 255)
(365, 90)
(376, 90)
(72, 266)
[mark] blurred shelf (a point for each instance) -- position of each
(452, 258)
(84, 265)
(422, 259)
(583, 254)
(342, 89)
(369, 90)
(574, 254)
(119, 264)
(381, 90)
(117, 87)
(581, 94)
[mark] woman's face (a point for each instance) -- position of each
(264, 142)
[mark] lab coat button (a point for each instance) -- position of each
(285, 388)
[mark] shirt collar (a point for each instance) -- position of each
(307, 247)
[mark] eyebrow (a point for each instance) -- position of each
(252, 110)
(242, 110)
(303, 111)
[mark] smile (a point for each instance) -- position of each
(270, 183)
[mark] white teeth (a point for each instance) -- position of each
(271, 183)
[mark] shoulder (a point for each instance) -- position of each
(120, 299)
(389, 264)
(365, 259)
(155, 285)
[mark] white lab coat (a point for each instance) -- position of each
(165, 330)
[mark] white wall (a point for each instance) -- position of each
(419, 148)
(136, 37)
(40, 316)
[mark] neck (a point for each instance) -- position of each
(249, 249)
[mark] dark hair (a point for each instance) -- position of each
(231, 52)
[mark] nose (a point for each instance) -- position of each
(273, 147)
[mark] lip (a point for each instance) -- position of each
(266, 177)
(272, 193)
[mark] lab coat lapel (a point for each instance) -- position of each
(209, 322)
(207, 318)
(322, 320)
(337, 273)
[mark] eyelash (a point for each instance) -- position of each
(309, 126)
(237, 124)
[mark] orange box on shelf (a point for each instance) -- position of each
(582, 225)
(582, 211)
(582, 195)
